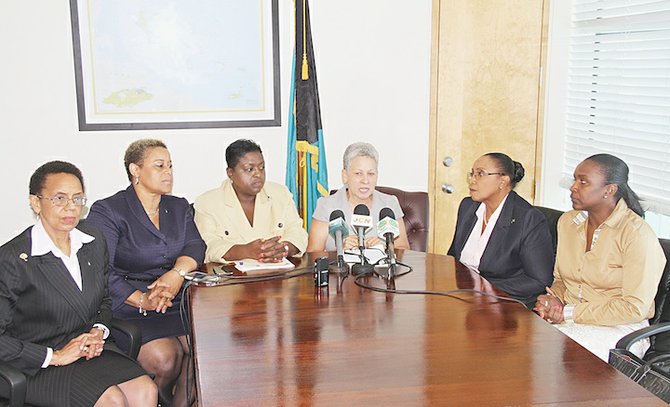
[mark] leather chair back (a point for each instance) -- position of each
(416, 208)
(662, 300)
(552, 216)
(661, 341)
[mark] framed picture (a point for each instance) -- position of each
(156, 64)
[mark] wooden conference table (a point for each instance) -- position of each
(284, 342)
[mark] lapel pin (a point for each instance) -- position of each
(280, 225)
(89, 263)
(513, 220)
(23, 257)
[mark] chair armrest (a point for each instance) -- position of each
(15, 384)
(132, 332)
(627, 341)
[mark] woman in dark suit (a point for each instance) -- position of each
(500, 235)
(153, 243)
(54, 306)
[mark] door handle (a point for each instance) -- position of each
(448, 188)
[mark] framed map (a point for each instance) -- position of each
(169, 64)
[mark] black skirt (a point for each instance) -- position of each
(154, 325)
(80, 383)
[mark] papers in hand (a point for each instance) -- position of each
(254, 265)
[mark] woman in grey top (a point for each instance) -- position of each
(359, 176)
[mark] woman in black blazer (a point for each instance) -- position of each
(500, 235)
(55, 309)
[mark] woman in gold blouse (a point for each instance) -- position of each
(608, 261)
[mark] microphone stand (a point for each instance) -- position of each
(390, 255)
(340, 266)
(364, 267)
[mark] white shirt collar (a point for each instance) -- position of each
(42, 243)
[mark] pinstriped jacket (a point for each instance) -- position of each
(41, 305)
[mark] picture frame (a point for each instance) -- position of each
(176, 65)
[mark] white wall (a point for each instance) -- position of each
(373, 63)
(550, 193)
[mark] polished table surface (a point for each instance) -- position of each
(285, 342)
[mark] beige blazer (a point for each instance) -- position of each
(222, 223)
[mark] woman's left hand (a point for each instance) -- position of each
(91, 343)
(164, 290)
(274, 251)
(550, 308)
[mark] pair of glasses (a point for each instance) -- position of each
(62, 200)
(481, 173)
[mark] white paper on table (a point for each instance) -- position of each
(253, 265)
(373, 255)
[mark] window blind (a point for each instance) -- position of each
(619, 91)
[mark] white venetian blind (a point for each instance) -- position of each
(619, 91)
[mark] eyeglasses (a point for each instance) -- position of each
(62, 200)
(481, 173)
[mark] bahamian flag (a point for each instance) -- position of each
(306, 171)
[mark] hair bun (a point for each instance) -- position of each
(519, 172)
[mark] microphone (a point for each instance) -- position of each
(338, 229)
(387, 229)
(361, 220)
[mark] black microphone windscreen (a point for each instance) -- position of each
(386, 213)
(361, 209)
(336, 214)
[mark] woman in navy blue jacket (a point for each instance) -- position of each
(153, 243)
(500, 235)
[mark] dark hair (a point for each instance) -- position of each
(238, 148)
(52, 167)
(135, 153)
(511, 168)
(615, 171)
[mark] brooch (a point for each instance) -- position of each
(23, 257)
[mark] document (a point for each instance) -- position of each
(253, 265)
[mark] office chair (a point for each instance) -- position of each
(653, 370)
(552, 216)
(13, 381)
(417, 210)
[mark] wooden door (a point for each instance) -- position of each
(485, 81)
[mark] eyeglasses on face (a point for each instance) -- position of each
(481, 173)
(62, 200)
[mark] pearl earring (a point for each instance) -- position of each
(605, 197)
(137, 180)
